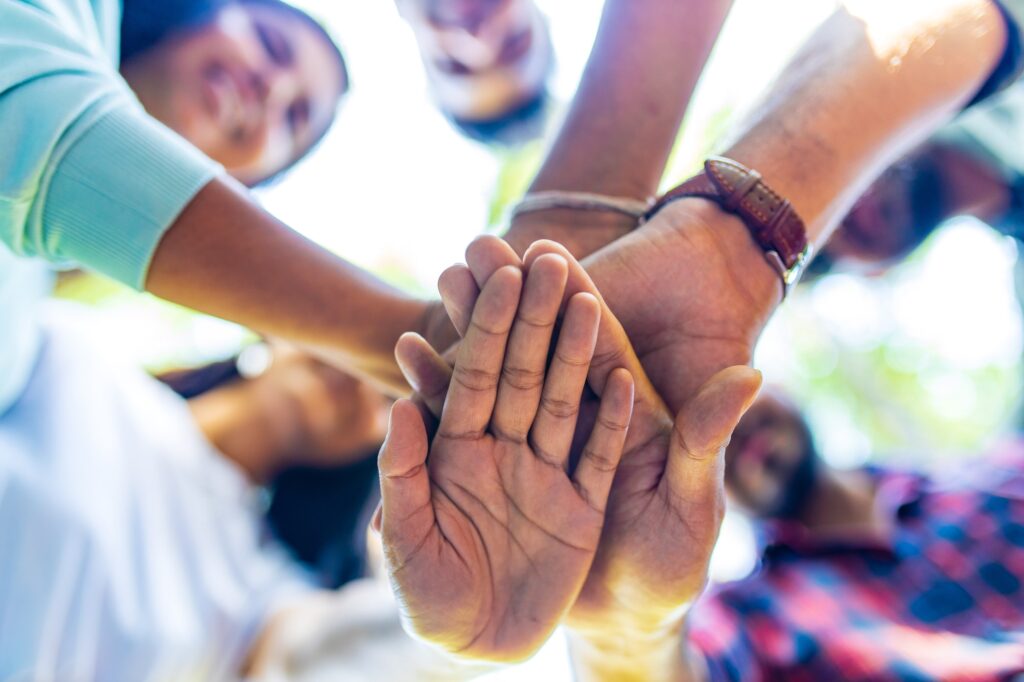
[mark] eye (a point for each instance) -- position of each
(453, 67)
(298, 115)
(275, 44)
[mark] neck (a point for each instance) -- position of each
(842, 503)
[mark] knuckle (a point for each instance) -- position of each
(507, 432)
(534, 322)
(612, 425)
(459, 436)
(545, 455)
(559, 408)
(475, 379)
(572, 360)
(615, 356)
(488, 328)
(522, 378)
(600, 461)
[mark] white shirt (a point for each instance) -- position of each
(129, 549)
(24, 283)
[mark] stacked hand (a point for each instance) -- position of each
(666, 505)
(488, 534)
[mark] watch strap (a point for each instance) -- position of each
(771, 219)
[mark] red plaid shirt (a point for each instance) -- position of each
(942, 599)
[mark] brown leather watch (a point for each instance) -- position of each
(772, 222)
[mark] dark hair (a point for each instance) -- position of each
(928, 209)
(525, 123)
(147, 23)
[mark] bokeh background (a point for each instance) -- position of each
(921, 366)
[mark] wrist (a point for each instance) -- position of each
(368, 350)
(581, 232)
(747, 269)
(624, 653)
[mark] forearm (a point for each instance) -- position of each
(226, 257)
(874, 81)
(618, 657)
(623, 122)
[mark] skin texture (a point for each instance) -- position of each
(664, 514)
(253, 88)
(227, 257)
(487, 546)
(624, 118)
(809, 121)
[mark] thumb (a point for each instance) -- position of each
(406, 511)
(703, 429)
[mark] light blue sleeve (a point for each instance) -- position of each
(85, 174)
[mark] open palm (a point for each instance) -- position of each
(489, 541)
(666, 505)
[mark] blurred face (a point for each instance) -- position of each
(880, 226)
(253, 89)
(770, 462)
(483, 57)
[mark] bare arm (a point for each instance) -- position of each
(227, 257)
(872, 82)
(625, 117)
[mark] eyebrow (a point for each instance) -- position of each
(275, 42)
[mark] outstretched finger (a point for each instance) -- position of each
(486, 254)
(613, 350)
(522, 375)
(459, 292)
(406, 511)
(555, 424)
(470, 402)
(603, 451)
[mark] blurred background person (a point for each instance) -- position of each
(253, 84)
(129, 547)
(973, 166)
(866, 573)
(488, 63)
(306, 433)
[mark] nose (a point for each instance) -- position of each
(274, 84)
(475, 51)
